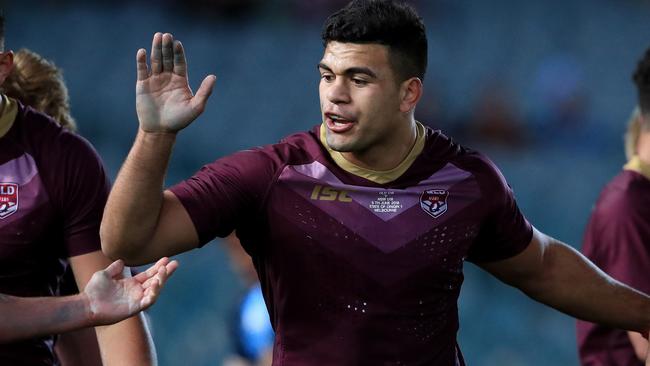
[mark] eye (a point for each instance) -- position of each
(327, 77)
(359, 82)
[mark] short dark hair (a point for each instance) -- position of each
(386, 22)
(641, 78)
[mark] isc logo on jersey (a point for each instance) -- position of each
(434, 202)
(321, 193)
(8, 199)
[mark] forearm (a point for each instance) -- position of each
(134, 204)
(27, 317)
(572, 284)
(127, 343)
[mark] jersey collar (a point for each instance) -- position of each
(637, 165)
(7, 114)
(377, 176)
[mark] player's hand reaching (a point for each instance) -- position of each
(111, 297)
(164, 100)
(647, 353)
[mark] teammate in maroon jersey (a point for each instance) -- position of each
(359, 228)
(38, 83)
(52, 191)
(617, 238)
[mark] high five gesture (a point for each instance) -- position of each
(165, 105)
(164, 99)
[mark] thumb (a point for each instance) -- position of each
(115, 268)
(202, 95)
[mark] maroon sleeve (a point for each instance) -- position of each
(80, 192)
(618, 237)
(224, 193)
(505, 232)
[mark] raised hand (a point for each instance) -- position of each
(112, 298)
(164, 99)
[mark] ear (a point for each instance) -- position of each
(410, 94)
(6, 64)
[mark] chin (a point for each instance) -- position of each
(340, 146)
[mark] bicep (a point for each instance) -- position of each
(211, 203)
(544, 269)
(518, 269)
(175, 232)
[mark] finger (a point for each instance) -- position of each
(160, 276)
(156, 53)
(141, 62)
(150, 295)
(167, 52)
(171, 267)
(202, 95)
(115, 268)
(180, 64)
(151, 271)
(154, 288)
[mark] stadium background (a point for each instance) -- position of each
(543, 87)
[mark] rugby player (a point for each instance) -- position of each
(617, 238)
(359, 227)
(52, 192)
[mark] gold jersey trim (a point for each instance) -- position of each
(639, 166)
(377, 176)
(7, 114)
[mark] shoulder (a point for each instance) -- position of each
(35, 121)
(479, 165)
(298, 147)
(483, 167)
(259, 165)
(489, 178)
(293, 149)
(68, 165)
(618, 227)
(441, 149)
(42, 132)
(35, 126)
(58, 152)
(624, 195)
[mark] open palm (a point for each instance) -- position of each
(164, 99)
(112, 298)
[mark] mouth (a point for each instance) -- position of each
(338, 123)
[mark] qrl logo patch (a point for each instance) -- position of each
(434, 202)
(8, 199)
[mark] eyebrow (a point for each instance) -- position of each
(350, 71)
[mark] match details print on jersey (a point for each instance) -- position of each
(354, 204)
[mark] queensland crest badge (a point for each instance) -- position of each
(434, 202)
(8, 199)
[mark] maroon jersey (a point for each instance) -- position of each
(356, 272)
(617, 240)
(52, 193)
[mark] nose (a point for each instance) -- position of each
(338, 91)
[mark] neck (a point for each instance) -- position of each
(388, 154)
